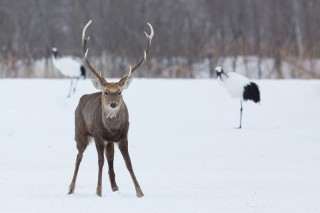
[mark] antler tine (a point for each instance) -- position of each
(84, 41)
(127, 76)
(145, 53)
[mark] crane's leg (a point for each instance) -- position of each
(241, 108)
(70, 88)
(75, 86)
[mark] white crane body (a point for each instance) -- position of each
(69, 67)
(239, 86)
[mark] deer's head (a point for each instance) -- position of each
(112, 91)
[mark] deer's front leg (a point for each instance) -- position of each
(100, 149)
(110, 156)
(123, 146)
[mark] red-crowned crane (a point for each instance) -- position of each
(68, 66)
(239, 86)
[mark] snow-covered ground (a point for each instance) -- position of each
(185, 152)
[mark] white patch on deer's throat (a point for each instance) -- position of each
(111, 112)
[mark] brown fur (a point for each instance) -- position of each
(91, 121)
(104, 116)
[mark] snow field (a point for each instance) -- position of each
(185, 152)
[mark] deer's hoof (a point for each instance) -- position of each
(71, 189)
(99, 191)
(140, 194)
(115, 188)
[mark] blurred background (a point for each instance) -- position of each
(262, 39)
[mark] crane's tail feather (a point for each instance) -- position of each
(83, 71)
(251, 92)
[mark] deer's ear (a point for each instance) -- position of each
(96, 83)
(127, 83)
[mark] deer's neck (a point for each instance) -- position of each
(114, 118)
(110, 114)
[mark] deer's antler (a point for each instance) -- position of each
(84, 41)
(129, 75)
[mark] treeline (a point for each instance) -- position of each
(187, 32)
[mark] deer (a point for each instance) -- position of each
(103, 116)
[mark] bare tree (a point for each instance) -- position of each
(283, 30)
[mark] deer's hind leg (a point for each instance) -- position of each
(82, 143)
(109, 152)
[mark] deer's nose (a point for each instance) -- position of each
(113, 105)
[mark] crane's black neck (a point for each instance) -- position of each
(221, 74)
(55, 54)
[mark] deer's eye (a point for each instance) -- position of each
(119, 93)
(106, 93)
